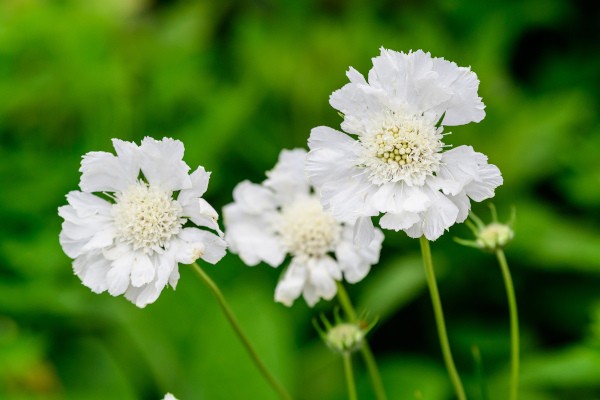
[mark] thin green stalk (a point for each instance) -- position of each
(349, 375)
(241, 335)
(439, 319)
(514, 325)
(365, 350)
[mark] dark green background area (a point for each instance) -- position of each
(239, 81)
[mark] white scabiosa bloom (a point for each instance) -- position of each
(282, 216)
(169, 396)
(131, 241)
(394, 161)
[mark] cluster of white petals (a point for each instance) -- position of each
(283, 216)
(132, 245)
(169, 396)
(394, 163)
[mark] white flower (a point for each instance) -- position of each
(131, 244)
(282, 215)
(169, 396)
(395, 164)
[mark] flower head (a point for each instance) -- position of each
(493, 236)
(130, 240)
(342, 336)
(282, 216)
(169, 396)
(394, 163)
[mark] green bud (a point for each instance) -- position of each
(343, 337)
(491, 237)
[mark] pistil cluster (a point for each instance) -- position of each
(146, 217)
(399, 148)
(306, 230)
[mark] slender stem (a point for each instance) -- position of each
(241, 335)
(367, 354)
(349, 375)
(514, 325)
(439, 319)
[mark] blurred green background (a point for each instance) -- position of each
(239, 81)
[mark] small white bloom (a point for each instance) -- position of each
(169, 396)
(283, 215)
(395, 164)
(133, 243)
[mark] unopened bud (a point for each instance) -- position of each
(492, 237)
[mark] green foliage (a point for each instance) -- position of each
(237, 82)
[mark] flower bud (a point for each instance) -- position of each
(492, 237)
(343, 337)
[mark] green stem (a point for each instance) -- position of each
(349, 375)
(367, 354)
(514, 325)
(439, 319)
(241, 335)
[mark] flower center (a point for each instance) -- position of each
(146, 217)
(400, 148)
(307, 230)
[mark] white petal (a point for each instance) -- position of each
(348, 199)
(253, 198)
(215, 247)
(331, 266)
(174, 277)
(79, 235)
(92, 269)
(332, 156)
(461, 201)
(309, 292)
(483, 188)
(87, 204)
(289, 288)
(287, 178)
(364, 231)
(72, 247)
(464, 106)
(458, 167)
(101, 171)
(251, 236)
(399, 221)
(354, 261)
(142, 268)
(188, 252)
(118, 277)
(202, 214)
(440, 215)
(416, 231)
(199, 179)
(359, 99)
(320, 278)
(399, 197)
(165, 265)
(143, 295)
(162, 164)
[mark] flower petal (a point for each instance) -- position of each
(399, 221)
(142, 268)
(364, 231)
(188, 197)
(215, 247)
(101, 171)
(287, 178)
(290, 286)
(162, 164)
(92, 268)
(253, 198)
(332, 156)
